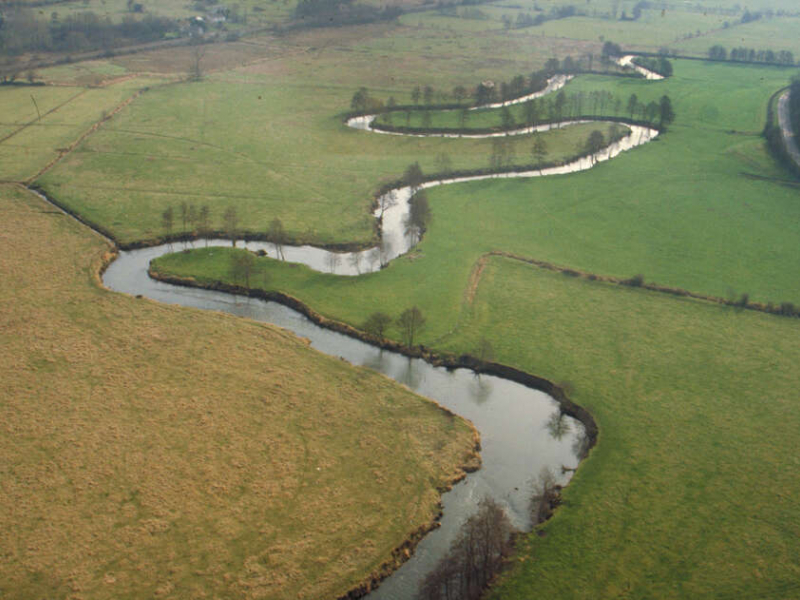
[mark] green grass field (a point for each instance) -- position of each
(269, 149)
(66, 114)
(691, 492)
(780, 33)
(728, 232)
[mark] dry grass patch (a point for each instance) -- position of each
(149, 450)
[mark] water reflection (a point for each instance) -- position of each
(557, 425)
(480, 389)
(410, 375)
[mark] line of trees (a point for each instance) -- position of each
(409, 323)
(197, 222)
(741, 54)
(21, 31)
(527, 20)
(318, 13)
(562, 106)
(488, 92)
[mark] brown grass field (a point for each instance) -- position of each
(154, 451)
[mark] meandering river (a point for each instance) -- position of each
(522, 430)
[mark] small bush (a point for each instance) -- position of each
(635, 281)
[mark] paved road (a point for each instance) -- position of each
(786, 128)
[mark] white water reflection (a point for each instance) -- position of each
(627, 61)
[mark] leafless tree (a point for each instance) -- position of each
(410, 322)
(242, 264)
(167, 221)
(377, 324)
(545, 496)
(230, 223)
(196, 68)
(278, 236)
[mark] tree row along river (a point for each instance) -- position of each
(523, 431)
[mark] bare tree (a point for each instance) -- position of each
(204, 222)
(413, 176)
(242, 263)
(539, 149)
(333, 259)
(230, 223)
(167, 221)
(545, 496)
(443, 163)
(386, 201)
(184, 214)
(377, 324)
(484, 351)
(196, 67)
(594, 144)
(374, 258)
(278, 236)
(385, 252)
(410, 322)
(419, 215)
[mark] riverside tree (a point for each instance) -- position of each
(594, 143)
(277, 235)
(419, 215)
(167, 221)
(666, 112)
(242, 264)
(360, 99)
(377, 324)
(633, 103)
(230, 223)
(413, 176)
(409, 323)
(204, 222)
(539, 149)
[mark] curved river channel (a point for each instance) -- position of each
(522, 430)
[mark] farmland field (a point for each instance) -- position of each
(691, 491)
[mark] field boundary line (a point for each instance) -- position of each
(47, 114)
(786, 309)
(65, 151)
